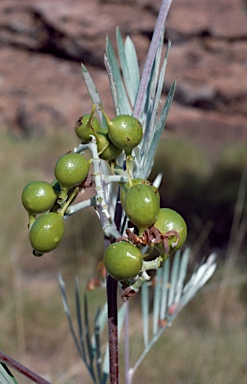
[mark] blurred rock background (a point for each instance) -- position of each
(42, 44)
(202, 156)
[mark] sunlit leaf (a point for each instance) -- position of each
(124, 105)
(6, 376)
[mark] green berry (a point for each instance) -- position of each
(125, 187)
(142, 206)
(107, 150)
(47, 232)
(71, 170)
(85, 126)
(123, 260)
(170, 220)
(38, 197)
(125, 131)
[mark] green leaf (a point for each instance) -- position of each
(156, 301)
(87, 332)
(79, 320)
(164, 289)
(93, 92)
(154, 101)
(114, 92)
(124, 105)
(174, 278)
(197, 280)
(145, 313)
(182, 274)
(168, 289)
(67, 311)
(6, 376)
(129, 66)
(148, 159)
(97, 345)
(133, 66)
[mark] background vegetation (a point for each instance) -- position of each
(206, 342)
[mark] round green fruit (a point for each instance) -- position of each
(85, 126)
(170, 220)
(47, 232)
(71, 170)
(125, 131)
(38, 197)
(123, 260)
(125, 187)
(142, 206)
(107, 150)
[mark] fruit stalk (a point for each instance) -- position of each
(97, 178)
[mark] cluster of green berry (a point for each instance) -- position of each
(152, 228)
(123, 133)
(51, 200)
(161, 229)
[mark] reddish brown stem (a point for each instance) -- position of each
(113, 329)
(22, 369)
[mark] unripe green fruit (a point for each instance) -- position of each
(38, 197)
(71, 170)
(85, 126)
(125, 131)
(47, 232)
(125, 187)
(107, 150)
(142, 206)
(170, 220)
(123, 260)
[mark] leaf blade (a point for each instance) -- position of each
(124, 105)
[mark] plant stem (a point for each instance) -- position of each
(126, 345)
(112, 283)
(113, 328)
(22, 369)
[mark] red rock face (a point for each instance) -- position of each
(42, 44)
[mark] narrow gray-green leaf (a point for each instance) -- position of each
(93, 92)
(197, 280)
(174, 278)
(97, 345)
(156, 301)
(87, 334)
(5, 377)
(154, 81)
(102, 318)
(155, 106)
(124, 104)
(128, 61)
(145, 313)
(67, 311)
(145, 170)
(159, 26)
(182, 274)
(79, 319)
(133, 66)
(165, 289)
(114, 93)
(123, 61)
